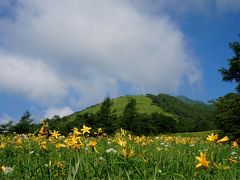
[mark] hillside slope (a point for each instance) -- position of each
(196, 114)
(155, 114)
(144, 105)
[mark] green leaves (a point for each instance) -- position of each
(228, 113)
(233, 71)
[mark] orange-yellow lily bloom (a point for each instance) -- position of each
(212, 137)
(202, 160)
(224, 139)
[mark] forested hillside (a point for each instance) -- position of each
(191, 115)
(150, 114)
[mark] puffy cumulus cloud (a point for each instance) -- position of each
(32, 78)
(64, 111)
(94, 45)
(86, 92)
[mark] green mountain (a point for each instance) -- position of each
(193, 115)
(156, 113)
(144, 105)
(187, 100)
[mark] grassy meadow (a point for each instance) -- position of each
(85, 154)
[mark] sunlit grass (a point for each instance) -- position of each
(144, 105)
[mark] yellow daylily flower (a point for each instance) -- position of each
(92, 143)
(60, 145)
(43, 145)
(122, 142)
(127, 153)
(76, 132)
(131, 153)
(58, 164)
(123, 132)
(86, 129)
(3, 168)
(100, 130)
(224, 139)
(124, 153)
(202, 160)
(55, 134)
(43, 129)
(138, 139)
(18, 140)
(130, 137)
(73, 142)
(234, 144)
(2, 145)
(212, 137)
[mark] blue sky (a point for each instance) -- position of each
(57, 57)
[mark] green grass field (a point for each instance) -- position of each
(122, 156)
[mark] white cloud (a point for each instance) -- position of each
(51, 112)
(32, 78)
(92, 90)
(92, 45)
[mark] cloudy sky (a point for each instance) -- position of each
(59, 56)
